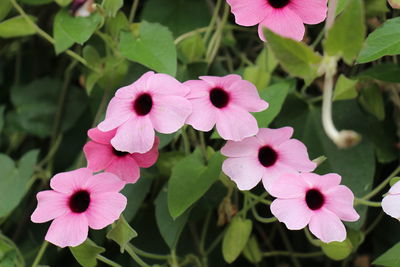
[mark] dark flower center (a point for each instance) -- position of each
(267, 156)
(278, 3)
(219, 98)
(79, 201)
(119, 153)
(143, 104)
(314, 199)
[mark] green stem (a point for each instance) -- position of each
(107, 261)
(311, 239)
(149, 255)
(288, 245)
(215, 243)
(293, 254)
(360, 201)
(203, 145)
(135, 257)
(174, 260)
(381, 185)
(204, 233)
(47, 37)
(319, 38)
(185, 139)
(212, 22)
(374, 223)
(216, 39)
(260, 218)
(132, 13)
(41, 252)
(260, 198)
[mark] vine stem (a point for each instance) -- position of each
(107, 261)
(381, 185)
(132, 13)
(40, 254)
(359, 201)
(293, 254)
(135, 257)
(149, 255)
(47, 37)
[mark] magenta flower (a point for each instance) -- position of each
(79, 200)
(391, 202)
(317, 201)
(225, 102)
(285, 17)
(102, 156)
(265, 157)
(154, 101)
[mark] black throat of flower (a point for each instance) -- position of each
(278, 3)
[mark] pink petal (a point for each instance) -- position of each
(98, 156)
(395, 189)
(249, 13)
(340, 201)
(247, 147)
(322, 182)
(134, 136)
(125, 168)
(274, 137)
(204, 114)
(234, 123)
(245, 94)
(284, 22)
(51, 204)
(198, 89)
(104, 182)
(245, 172)
(166, 85)
(101, 137)
(221, 82)
(118, 111)
(271, 174)
(391, 205)
(104, 209)
(310, 11)
(70, 229)
(289, 185)
(169, 113)
(325, 225)
(294, 153)
(149, 158)
(131, 90)
(292, 212)
(68, 182)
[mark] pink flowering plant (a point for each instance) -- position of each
(199, 133)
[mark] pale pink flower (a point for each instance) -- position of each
(285, 17)
(314, 200)
(265, 157)
(225, 102)
(79, 200)
(101, 155)
(391, 202)
(153, 102)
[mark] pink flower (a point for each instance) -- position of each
(155, 101)
(318, 201)
(285, 17)
(102, 156)
(225, 102)
(391, 202)
(265, 157)
(79, 200)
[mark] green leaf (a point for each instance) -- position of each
(5, 8)
(169, 228)
(390, 258)
(257, 75)
(337, 250)
(235, 238)
(86, 253)
(136, 193)
(275, 95)
(394, 180)
(295, 57)
(154, 47)
(76, 29)
(2, 108)
(36, 2)
(192, 49)
(388, 72)
(63, 3)
(372, 100)
(91, 55)
(345, 89)
(350, 25)
(117, 24)
(112, 6)
(382, 42)
(252, 251)
(375, 8)
(37, 102)
(122, 233)
(10, 255)
(190, 180)
(180, 16)
(14, 181)
(16, 27)
(114, 73)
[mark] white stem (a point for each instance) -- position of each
(327, 121)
